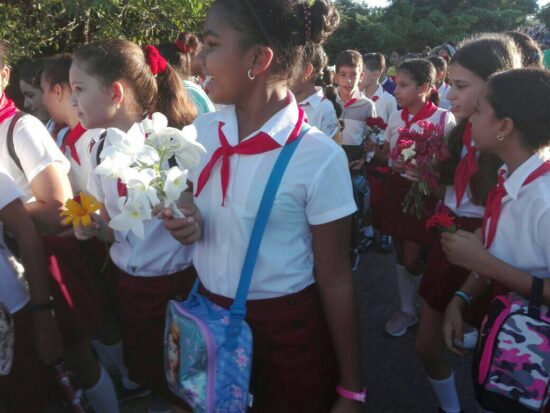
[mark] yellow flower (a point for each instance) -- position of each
(80, 212)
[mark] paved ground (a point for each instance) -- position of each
(394, 377)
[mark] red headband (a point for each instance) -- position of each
(182, 47)
(156, 62)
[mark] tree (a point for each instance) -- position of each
(414, 24)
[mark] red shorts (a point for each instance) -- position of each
(294, 368)
(74, 287)
(30, 386)
(397, 223)
(142, 302)
(441, 278)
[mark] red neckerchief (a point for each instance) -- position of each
(350, 102)
(427, 110)
(375, 98)
(70, 140)
(257, 144)
(467, 167)
(7, 108)
(494, 202)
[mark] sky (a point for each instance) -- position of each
(382, 3)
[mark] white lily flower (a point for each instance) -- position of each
(157, 123)
(139, 186)
(130, 218)
(132, 144)
(187, 150)
(114, 165)
(175, 184)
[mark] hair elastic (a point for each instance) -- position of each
(182, 47)
(156, 62)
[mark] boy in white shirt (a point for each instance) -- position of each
(374, 64)
(443, 87)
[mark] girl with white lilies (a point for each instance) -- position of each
(115, 86)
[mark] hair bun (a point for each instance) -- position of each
(324, 20)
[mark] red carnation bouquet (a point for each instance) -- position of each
(441, 222)
(421, 149)
(375, 132)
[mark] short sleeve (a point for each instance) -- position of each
(330, 195)
(450, 122)
(35, 147)
(329, 122)
(8, 189)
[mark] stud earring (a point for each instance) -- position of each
(500, 137)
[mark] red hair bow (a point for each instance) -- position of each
(182, 47)
(157, 63)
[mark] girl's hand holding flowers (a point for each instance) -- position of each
(464, 249)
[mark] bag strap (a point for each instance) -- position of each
(535, 298)
(237, 312)
(11, 146)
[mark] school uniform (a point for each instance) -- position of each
(199, 97)
(384, 103)
(151, 271)
(73, 291)
(395, 222)
(21, 391)
(441, 278)
(443, 91)
(292, 351)
(355, 113)
(321, 113)
(521, 236)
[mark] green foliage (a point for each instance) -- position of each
(34, 28)
(544, 15)
(414, 24)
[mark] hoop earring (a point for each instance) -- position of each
(251, 75)
(500, 138)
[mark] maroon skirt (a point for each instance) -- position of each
(142, 308)
(30, 386)
(441, 278)
(397, 223)
(294, 368)
(74, 287)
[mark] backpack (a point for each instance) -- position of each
(6, 340)
(512, 363)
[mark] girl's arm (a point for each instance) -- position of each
(19, 223)
(465, 249)
(51, 188)
(337, 291)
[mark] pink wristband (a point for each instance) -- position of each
(358, 397)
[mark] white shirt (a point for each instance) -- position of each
(522, 237)
(157, 254)
(78, 174)
(315, 189)
(443, 92)
(384, 103)
(36, 151)
(320, 113)
(13, 292)
(355, 116)
(395, 123)
(467, 207)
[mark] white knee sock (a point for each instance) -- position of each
(113, 355)
(406, 284)
(446, 393)
(102, 396)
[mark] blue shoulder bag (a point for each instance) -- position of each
(208, 349)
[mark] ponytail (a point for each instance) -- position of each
(434, 96)
(172, 100)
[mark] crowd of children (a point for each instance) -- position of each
(92, 297)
